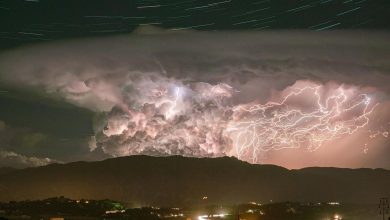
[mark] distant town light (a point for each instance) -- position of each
(202, 217)
(205, 217)
(115, 211)
(219, 215)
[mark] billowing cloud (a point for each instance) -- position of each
(22, 147)
(214, 94)
(10, 158)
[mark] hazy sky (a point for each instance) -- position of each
(291, 98)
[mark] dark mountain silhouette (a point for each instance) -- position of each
(176, 180)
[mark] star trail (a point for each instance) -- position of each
(31, 21)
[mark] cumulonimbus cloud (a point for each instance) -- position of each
(194, 94)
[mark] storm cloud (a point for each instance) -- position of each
(163, 93)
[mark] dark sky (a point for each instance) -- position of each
(45, 118)
(38, 126)
(24, 21)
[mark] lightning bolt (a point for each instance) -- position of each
(305, 115)
(172, 108)
(277, 125)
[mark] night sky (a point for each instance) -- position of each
(88, 80)
(43, 20)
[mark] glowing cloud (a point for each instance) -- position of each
(208, 95)
(307, 116)
(194, 119)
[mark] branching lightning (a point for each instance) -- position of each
(199, 119)
(278, 125)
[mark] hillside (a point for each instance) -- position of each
(176, 180)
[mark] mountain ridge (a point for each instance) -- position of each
(177, 180)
